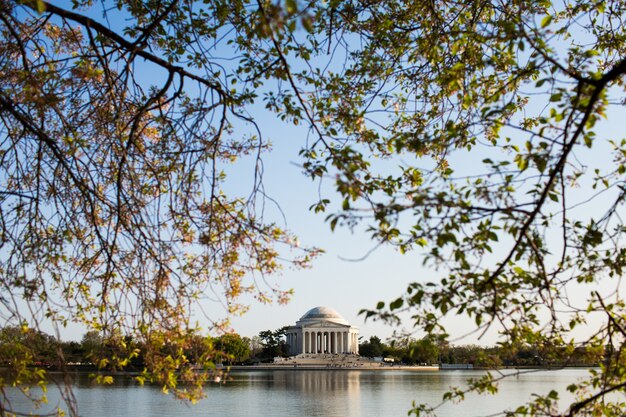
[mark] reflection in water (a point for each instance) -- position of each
(308, 382)
(329, 393)
(306, 393)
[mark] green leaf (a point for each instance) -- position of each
(41, 6)
(291, 6)
(522, 163)
(540, 162)
(556, 97)
(396, 304)
(546, 21)
(333, 223)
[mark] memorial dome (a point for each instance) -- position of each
(318, 314)
(322, 330)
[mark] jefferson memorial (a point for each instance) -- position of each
(322, 330)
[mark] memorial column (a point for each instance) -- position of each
(289, 342)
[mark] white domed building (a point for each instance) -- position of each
(322, 330)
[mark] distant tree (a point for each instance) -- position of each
(199, 347)
(422, 351)
(372, 348)
(465, 354)
(588, 356)
(41, 347)
(256, 346)
(73, 352)
(490, 358)
(273, 342)
(92, 344)
(234, 347)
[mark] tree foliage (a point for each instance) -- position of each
(118, 123)
(233, 347)
(476, 133)
(407, 350)
(372, 348)
(482, 135)
(273, 342)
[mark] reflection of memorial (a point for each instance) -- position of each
(312, 393)
(312, 382)
(322, 330)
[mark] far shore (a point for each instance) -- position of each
(85, 369)
(373, 367)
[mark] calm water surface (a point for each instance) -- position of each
(314, 393)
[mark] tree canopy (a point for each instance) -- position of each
(477, 134)
(273, 342)
(118, 122)
(505, 174)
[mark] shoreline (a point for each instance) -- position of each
(274, 367)
(77, 369)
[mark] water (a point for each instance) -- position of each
(312, 393)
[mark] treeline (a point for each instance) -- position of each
(94, 350)
(426, 351)
(37, 348)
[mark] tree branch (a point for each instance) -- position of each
(127, 45)
(574, 409)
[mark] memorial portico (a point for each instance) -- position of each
(322, 330)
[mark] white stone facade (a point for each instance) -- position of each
(322, 330)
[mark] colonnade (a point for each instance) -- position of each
(322, 341)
